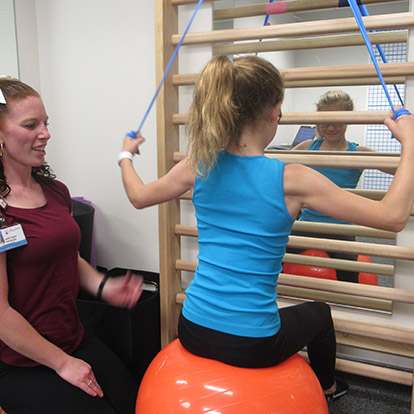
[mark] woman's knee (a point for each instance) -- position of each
(324, 311)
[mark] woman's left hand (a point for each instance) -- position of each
(132, 144)
(123, 291)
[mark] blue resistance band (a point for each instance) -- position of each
(357, 14)
(364, 11)
(266, 21)
(133, 134)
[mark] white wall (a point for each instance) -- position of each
(97, 78)
(8, 50)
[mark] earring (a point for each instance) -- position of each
(1, 149)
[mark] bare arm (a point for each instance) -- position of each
(19, 334)
(122, 291)
(367, 149)
(305, 187)
(175, 183)
(303, 146)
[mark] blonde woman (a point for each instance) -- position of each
(331, 137)
(245, 206)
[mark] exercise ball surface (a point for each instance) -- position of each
(367, 278)
(179, 382)
(309, 270)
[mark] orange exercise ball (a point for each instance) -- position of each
(310, 271)
(179, 382)
(367, 278)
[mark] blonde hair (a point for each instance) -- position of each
(228, 96)
(337, 97)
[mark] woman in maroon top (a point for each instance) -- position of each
(48, 364)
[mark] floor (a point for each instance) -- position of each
(370, 396)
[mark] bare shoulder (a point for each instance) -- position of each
(303, 146)
(294, 175)
(185, 171)
(362, 148)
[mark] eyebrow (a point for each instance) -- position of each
(33, 118)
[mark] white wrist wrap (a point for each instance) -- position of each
(125, 154)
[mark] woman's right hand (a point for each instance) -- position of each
(79, 373)
(402, 128)
(132, 144)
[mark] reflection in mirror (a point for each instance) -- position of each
(331, 137)
(367, 94)
(8, 45)
(302, 98)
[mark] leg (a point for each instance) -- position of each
(311, 324)
(40, 390)
(119, 387)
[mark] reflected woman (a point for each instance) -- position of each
(331, 137)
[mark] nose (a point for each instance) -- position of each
(44, 133)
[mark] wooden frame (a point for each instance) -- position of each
(356, 333)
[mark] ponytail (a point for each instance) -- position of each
(212, 115)
(228, 96)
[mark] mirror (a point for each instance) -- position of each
(8, 45)
(303, 99)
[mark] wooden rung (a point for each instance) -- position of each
(343, 229)
(322, 27)
(315, 159)
(344, 82)
(374, 330)
(372, 371)
(340, 264)
(296, 294)
(325, 72)
(378, 292)
(318, 159)
(300, 118)
(377, 345)
(306, 43)
(352, 247)
(187, 80)
(331, 245)
(185, 2)
(291, 6)
(351, 71)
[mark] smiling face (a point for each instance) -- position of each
(24, 133)
(334, 132)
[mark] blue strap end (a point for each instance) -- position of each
(133, 135)
(399, 112)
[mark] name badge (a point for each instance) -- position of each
(12, 237)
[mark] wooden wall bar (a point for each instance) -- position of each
(323, 27)
(342, 32)
(299, 76)
(292, 6)
(316, 42)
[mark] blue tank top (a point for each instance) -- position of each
(243, 228)
(342, 177)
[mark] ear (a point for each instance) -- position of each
(273, 115)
